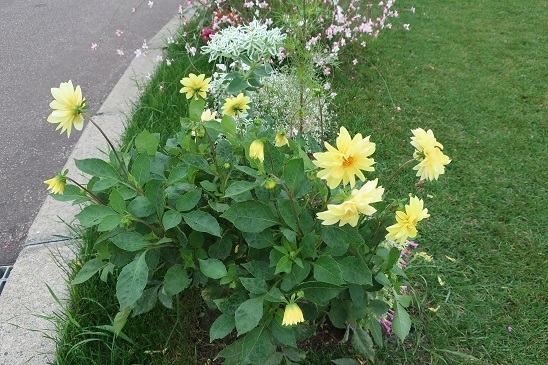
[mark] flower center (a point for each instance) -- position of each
(348, 161)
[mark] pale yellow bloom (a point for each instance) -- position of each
(424, 139)
(208, 115)
(236, 106)
(368, 193)
(345, 213)
(346, 161)
(423, 255)
(440, 281)
(280, 140)
(67, 107)
(432, 162)
(256, 150)
(406, 222)
(195, 86)
(292, 315)
(432, 309)
(450, 258)
(56, 184)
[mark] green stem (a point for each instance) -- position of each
(397, 172)
(91, 195)
(152, 228)
(292, 200)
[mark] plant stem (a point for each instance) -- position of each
(397, 172)
(91, 195)
(122, 166)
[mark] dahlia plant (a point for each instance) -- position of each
(275, 239)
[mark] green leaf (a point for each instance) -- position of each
(141, 169)
(195, 109)
(286, 211)
(120, 320)
(251, 216)
(375, 328)
(213, 268)
(284, 334)
(94, 214)
(103, 184)
(154, 191)
(223, 325)
(189, 200)
(176, 280)
(117, 202)
(132, 281)
(327, 270)
(308, 246)
(232, 353)
(335, 236)
(202, 222)
(254, 285)
(71, 193)
(236, 85)
(260, 240)
(178, 174)
(401, 323)
(259, 269)
(379, 307)
(295, 277)
(196, 161)
(284, 265)
(294, 175)
(171, 219)
(109, 223)
(355, 271)
(393, 257)
(363, 344)
(221, 249)
(140, 207)
(146, 143)
(337, 313)
(239, 187)
(88, 270)
(345, 361)
(147, 301)
(257, 346)
(249, 314)
(97, 167)
(228, 124)
(319, 292)
(130, 241)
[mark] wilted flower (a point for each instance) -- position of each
(346, 161)
(208, 115)
(67, 107)
(292, 315)
(256, 150)
(57, 184)
(236, 106)
(195, 86)
(280, 140)
(406, 225)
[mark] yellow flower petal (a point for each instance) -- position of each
(67, 107)
(236, 106)
(256, 150)
(292, 315)
(195, 86)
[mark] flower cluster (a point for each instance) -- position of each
(253, 40)
(428, 153)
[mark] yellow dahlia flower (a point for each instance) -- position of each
(208, 115)
(56, 184)
(406, 225)
(346, 161)
(432, 162)
(280, 140)
(256, 150)
(292, 315)
(236, 106)
(368, 193)
(67, 107)
(424, 139)
(195, 86)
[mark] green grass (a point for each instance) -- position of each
(473, 72)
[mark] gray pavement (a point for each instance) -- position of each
(44, 43)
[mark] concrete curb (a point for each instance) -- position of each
(25, 299)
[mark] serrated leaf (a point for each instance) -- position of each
(97, 167)
(260, 240)
(327, 270)
(145, 142)
(202, 222)
(88, 270)
(175, 280)
(154, 191)
(223, 325)
(171, 219)
(132, 281)
(251, 216)
(212, 268)
(249, 314)
(401, 323)
(130, 241)
(178, 174)
(376, 332)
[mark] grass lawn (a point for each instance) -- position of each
(472, 71)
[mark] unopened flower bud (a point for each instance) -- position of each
(256, 150)
(226, 166)
(270, 184)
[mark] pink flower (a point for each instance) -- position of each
(206, 33)
(510, 329)
(119, 52)
(93, 46)
(133, 10)
(406, 26)
(412, 10)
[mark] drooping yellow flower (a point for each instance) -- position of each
(344, 213)
(56, 184)
(346, 161)
(428, 153)
(208, 115)
(67, 107)
(292, 315)
(195, 86)
(280, 140)
(256, 150)
(424, 139)
(432, 163)
(236, 106)
(368, 193)
(406, 225)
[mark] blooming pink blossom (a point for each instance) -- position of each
(94, 46)
(119, 52)
(119, 32)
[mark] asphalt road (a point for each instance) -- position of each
(44, 43)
